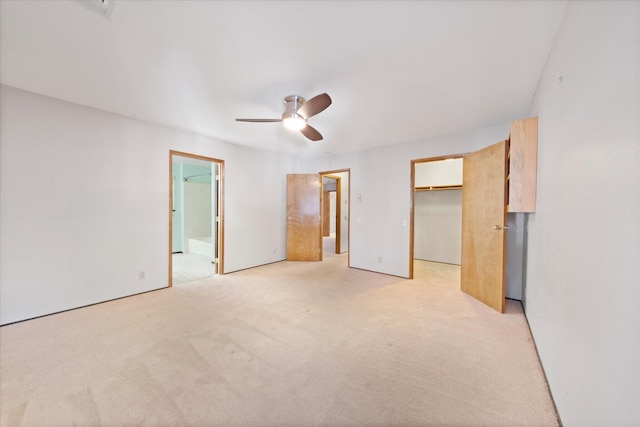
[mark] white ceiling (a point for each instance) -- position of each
(396, 71)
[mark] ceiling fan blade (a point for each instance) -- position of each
(311, 133)
(259, 120)
(315, 105)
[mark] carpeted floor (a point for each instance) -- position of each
(290, 343)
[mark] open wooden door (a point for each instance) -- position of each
(483, 225)
(304, 233)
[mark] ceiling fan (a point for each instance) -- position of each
(297, 111)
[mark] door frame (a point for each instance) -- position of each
(220, 206)
(329, 174)
(413, 199)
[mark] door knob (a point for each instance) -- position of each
(497, 227)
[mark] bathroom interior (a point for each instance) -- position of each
(194, 209)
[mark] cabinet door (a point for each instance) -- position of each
(483, 221)
(523, 163)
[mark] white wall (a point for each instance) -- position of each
(583, 256)
(442, 172)
(84, 204)
(332, 212)
(381, 190)
(197, 211)
(437, 234)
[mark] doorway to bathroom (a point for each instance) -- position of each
(196, 217)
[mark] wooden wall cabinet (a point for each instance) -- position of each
(522, 165)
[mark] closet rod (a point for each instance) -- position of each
(439, 187)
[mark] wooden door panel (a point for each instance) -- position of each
(304, 236)
(483, 220)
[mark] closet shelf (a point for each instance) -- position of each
(439, 188)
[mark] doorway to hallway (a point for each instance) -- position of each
(305, 202)
(335, 210)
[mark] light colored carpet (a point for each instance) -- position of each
(329, 243)
(290, 343)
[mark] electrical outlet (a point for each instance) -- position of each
(141, 275)
(379, 259)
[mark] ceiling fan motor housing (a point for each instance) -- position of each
(292, 104)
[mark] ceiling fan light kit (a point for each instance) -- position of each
(296, 113)
(293, 121)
